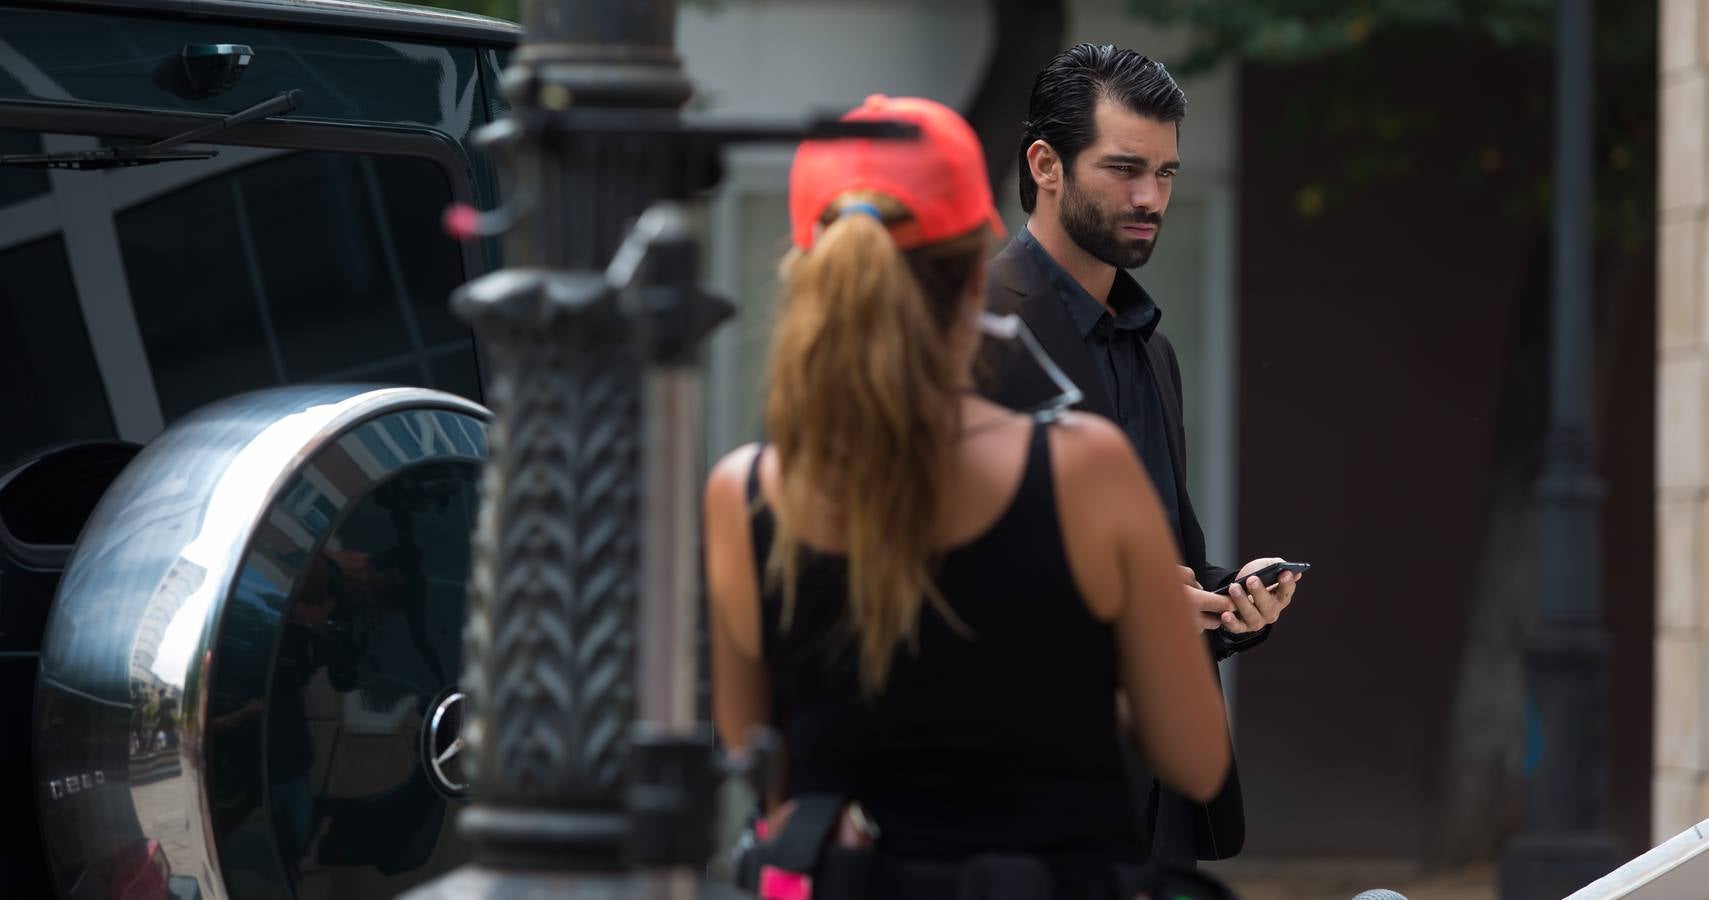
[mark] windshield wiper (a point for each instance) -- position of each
(160, 151)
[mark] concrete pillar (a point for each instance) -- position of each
(1680, 790)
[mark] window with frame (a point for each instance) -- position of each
(176, 284)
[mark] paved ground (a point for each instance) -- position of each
(1265, 879)
(161, 809)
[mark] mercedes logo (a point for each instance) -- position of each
(442, 744)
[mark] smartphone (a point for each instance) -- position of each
(1270, 573)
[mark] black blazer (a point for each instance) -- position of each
(1008, 375)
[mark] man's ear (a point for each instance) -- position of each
(1045, 165)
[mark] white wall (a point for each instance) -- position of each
(781, 59)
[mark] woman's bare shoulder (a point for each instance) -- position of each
(1089, 443)
(728, 481)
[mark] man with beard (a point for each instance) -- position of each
(1097, 160)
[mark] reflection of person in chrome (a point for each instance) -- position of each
(939, 601)
(303, 648)
(345, 596)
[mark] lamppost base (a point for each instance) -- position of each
(475, 882)
(1550, 867)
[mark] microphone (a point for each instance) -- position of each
(1380, 894)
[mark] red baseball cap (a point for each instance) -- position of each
(939, 176)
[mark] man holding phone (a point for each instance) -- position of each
(1097, 159)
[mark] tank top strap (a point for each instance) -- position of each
(754, 476)
(761, 528)
(760, 521)
(1037, 494)
(1032, 509)
(1038, 449)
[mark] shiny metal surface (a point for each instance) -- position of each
(669, 614)
(129, 656)
(357, 15)
(445, 744)
(62, 56)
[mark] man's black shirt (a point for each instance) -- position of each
(1114, 342)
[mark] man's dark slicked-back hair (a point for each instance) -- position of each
(1067, 91)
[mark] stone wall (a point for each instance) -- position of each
(1681, 776)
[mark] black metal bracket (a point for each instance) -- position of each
(698, 145)
(653, 274)
(673, 783)
(673, 780)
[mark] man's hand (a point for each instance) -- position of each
(1209, 607)
(1254, 605)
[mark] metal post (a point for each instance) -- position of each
(591, 777)
(550, 654)
(1565, 843)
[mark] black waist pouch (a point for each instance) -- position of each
(800, 862)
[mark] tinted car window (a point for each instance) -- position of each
(49, 387)
(309, 266)
(17, 183)
(254, 268)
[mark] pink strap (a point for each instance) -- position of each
(777, 884)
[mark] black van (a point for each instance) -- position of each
(199, 199)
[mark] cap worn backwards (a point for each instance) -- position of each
(939, 177)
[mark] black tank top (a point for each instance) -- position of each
(1000, 741)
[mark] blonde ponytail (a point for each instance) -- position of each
(862, 402)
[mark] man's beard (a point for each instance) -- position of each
(1101, 235)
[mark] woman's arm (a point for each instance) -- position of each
(740, 687)
(1126, 565)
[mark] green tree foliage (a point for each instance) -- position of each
(1507, 131)
(1289, 31)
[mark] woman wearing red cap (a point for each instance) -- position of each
(936, 601)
